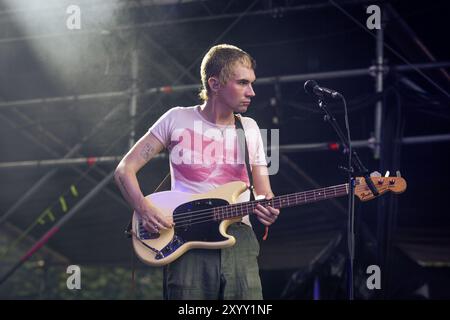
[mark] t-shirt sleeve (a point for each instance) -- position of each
(163, 127)
(255, 142)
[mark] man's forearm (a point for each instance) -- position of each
(129, 187)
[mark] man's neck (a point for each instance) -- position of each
(217, 114)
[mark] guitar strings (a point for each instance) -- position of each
(208, 214)
(306, 195)
(199, 215)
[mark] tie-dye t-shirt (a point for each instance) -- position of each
(204, 155)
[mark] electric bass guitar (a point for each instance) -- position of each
(202, 220)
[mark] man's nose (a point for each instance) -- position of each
(250, 91)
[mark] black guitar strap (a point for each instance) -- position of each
(242, 141)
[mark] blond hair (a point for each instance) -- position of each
(219, 62)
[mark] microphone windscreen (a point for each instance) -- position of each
(309, 87)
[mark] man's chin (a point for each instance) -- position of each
(242, 109)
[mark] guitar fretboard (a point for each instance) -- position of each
(284, 201)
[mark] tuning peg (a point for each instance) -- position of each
(398, 174)
(375, 174)
(387, 174)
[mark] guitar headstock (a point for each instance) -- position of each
(382, 184)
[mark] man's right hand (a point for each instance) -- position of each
(153, 219)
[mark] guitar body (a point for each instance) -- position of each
(194, 230)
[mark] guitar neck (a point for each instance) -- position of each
(284, 201)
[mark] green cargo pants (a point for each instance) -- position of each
(230, 273)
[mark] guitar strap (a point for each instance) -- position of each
(242, 141)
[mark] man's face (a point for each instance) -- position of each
(236, 94)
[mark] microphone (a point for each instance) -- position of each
(313, 89)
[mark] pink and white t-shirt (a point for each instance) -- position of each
(205, 155)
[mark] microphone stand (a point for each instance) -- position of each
(354, 162)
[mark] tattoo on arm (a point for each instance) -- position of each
(147, 152)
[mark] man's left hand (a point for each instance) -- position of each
(266, 215)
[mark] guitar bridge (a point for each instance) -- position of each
(171, 247)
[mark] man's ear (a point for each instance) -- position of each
(214, 84)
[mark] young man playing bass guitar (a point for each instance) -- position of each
(204, 155)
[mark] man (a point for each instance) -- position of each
(203, 155)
